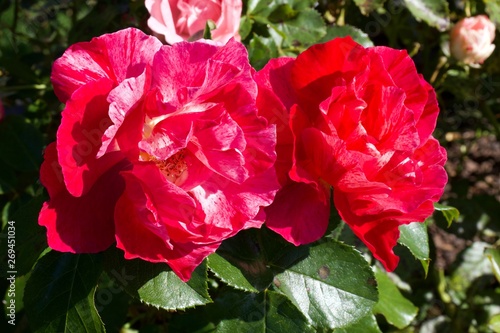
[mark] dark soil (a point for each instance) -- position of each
(474, 171)
(475, 160)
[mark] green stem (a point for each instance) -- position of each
(441, 67)
(24, 87)
(467, 8)
(341, 18)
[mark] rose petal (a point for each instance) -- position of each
(84, 121)
(123, 100)
(230, 208)
(78, 224)
(188, 257)
(115, 56)
(300, 212)
(156, 211)
(403, 72)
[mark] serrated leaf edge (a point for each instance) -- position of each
(255, 291)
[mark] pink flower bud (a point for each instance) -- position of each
(471, 39)
(182, 19)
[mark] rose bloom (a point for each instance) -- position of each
(359, 121)
(471, 39)
(180, 20)
(159, 149)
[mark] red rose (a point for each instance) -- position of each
(361, 121)
(160, 148)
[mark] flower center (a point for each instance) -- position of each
(175, 167)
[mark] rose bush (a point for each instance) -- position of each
(471, 39)
(159, 149)
(179, 20)
(358, 120)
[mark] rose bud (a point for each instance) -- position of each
(185, 19)
(471, 39)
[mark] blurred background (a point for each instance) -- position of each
(459, 293)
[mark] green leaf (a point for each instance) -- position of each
(368, 6)
(16, 294)
(267, 311)
(260, 50)
(252, 251)
(331, 283)
(433, 12)
(367, 324)
(473, 264)
(24, 149)
(157, 284)
(492, 7)
(334, 31)
(450, 213)
(396, 309)
(112, 302)
(282, 13)
(209, 26)
(494, 323)
(256, 6)
(493, 255)
(304, 29)
(59, 296)
(30, 238)
(245, 27)
(228, 273)
(415, 237)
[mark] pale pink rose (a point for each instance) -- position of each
(178, 20)
(471, 39)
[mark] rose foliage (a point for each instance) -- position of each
(169, 150)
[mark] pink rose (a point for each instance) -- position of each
(179, 20)
(358, 120)
(160, 149)
(471, 39)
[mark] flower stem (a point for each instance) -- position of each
(35, 86)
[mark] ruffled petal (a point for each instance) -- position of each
(300, 212)
(115, 56)
(160, 215)
(150, 206)
(123, 100)
(229, 207)
(403, 72)
(84, 121)
(427, 121)
(79, 224)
